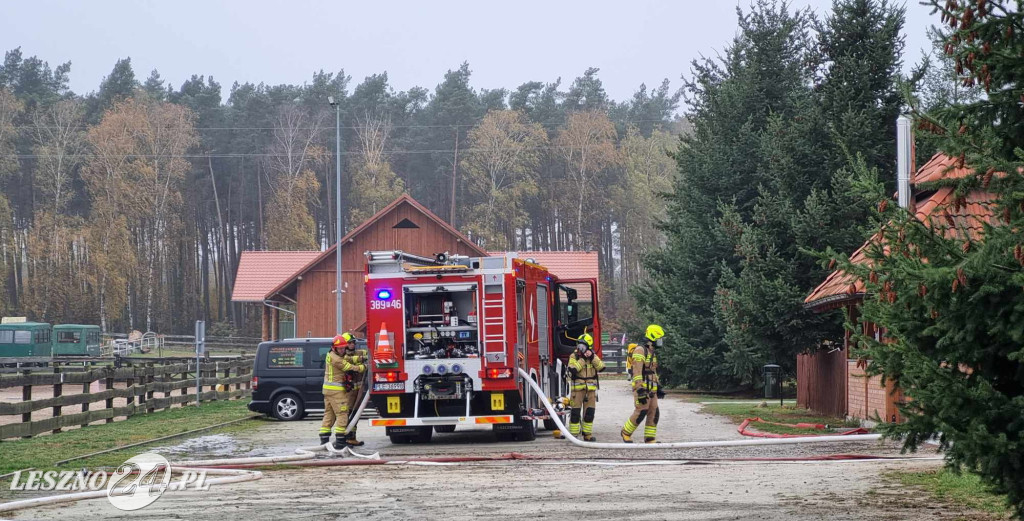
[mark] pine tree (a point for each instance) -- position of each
(950, 293)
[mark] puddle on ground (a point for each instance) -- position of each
(211, 445)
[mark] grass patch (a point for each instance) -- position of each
(737, 412)
(42, 452)
(964, 489)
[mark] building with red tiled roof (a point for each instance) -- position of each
(302, 303)
(259, 272)
(836, 385)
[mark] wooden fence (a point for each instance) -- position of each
(821, 382)
(142, 378)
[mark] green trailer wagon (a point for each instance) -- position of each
(25, 339)
(76, 340)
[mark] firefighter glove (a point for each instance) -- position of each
(661, 394)
(574, 372)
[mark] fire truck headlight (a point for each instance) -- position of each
(442, 369)
(427, 369)
(456, 368)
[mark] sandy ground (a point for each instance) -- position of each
(562, 485)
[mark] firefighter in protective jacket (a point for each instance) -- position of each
(343, 369)
(646, 392)
(584, 364)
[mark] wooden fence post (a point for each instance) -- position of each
(165, 377)
(148, 378)
(58, 390)
(85, 390)
(185, 378)
(26, 396)
(110, 387)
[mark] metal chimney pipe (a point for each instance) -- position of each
(904, 159)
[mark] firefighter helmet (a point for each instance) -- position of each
(654, 332)
(342, 340)
(586, 339)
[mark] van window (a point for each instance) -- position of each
(282, 357)
(321, 356)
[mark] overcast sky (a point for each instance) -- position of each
(505, 43)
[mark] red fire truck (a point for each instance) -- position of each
(447, 335)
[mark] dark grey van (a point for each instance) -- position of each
(288, 375)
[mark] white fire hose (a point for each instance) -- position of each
(687, 444)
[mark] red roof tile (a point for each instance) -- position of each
(938, 210)
(259, 272)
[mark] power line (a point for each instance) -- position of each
(239, 155)
(356, 127)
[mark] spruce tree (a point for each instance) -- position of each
(732, 101)
(949, 293)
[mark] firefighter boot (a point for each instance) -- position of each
(351, 440)
(324, 438)
(339, 441)
(589, 437)
(626, 438)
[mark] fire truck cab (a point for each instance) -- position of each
(447, 335)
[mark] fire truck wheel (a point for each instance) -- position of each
(424, 435)
(504, 436)
(444, 428)
(399, 439)
(550, 425)
(529, 433)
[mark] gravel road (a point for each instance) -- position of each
(570, 482)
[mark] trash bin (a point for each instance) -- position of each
(772, 381)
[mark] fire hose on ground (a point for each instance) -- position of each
(237, 470)
(686, 444)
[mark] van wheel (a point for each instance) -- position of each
(287, 407)
(444, 428)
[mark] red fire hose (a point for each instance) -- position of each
(742, 429)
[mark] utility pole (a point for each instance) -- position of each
(338, 228)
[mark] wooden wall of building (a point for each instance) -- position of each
(315, 292)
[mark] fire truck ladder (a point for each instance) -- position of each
(494, 319)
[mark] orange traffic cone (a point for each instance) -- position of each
(384, 354)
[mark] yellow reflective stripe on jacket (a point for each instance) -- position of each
(332, 387)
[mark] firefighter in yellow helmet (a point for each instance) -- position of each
(584, 364)
(644, 362)
(343, 369)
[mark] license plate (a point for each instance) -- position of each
(389, 386)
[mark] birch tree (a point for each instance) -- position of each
(374, 183)
(501, 164)
(587, 144)
(292, 158)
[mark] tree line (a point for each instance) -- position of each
(129, 206)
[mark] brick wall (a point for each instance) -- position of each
(867, 398)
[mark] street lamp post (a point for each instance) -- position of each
(337, 227)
